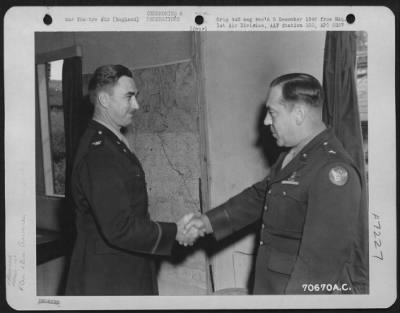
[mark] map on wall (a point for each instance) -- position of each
(165, 137)
(164, 134)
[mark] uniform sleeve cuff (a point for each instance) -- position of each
(207, 224)
(220, 222)
(167, 237)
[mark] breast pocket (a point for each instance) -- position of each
(286, 208)
(134, 178)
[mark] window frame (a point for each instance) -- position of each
(45, 170)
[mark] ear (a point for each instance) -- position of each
(301, 112)
(103, 98)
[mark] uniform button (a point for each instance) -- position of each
(118, 142)
(269, 192)
(99, 132)
(304, 155)
(261, 243)
(265, 208)
(262, 226)
(124, 150)
(284, 193)
(325, 143)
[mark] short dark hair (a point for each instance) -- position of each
(106, 75)
(300, 87)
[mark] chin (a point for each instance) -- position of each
(127, 123)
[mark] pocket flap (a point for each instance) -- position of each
(281, 262)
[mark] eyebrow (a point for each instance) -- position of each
(132, 93)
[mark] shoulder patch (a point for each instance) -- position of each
(338, 175)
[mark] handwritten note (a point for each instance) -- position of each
(377, 233)
(16, 263)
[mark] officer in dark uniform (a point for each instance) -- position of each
(116, 239)
(308, 204)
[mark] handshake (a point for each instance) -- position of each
(191, 227)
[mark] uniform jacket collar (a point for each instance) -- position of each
(114, 131)
(98, 126)
(301, 159)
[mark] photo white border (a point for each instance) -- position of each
(20, 25)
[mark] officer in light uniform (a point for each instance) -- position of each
(308, 204)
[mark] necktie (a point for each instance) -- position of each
(291, 154)
(125, 141)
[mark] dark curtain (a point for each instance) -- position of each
(72, 102)
(342, 114)
(76, 116)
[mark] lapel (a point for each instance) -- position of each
(276, 167)
(301, 159)
(294, 165)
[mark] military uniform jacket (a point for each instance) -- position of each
(116, 239)
(308, 214)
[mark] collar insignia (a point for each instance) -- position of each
(97, 143)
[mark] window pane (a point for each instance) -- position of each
(57, 130)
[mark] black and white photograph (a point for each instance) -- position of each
(199, 158)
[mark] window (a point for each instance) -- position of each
(52, 126)
(51, 139)
(57, 130)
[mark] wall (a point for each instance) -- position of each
(238, 67)
(132, 49)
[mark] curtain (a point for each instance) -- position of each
(342, 114)
(73, 118)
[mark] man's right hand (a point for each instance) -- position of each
(186, 236)
(199, 222)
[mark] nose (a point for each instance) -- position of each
(268, 119)
(134, 103)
